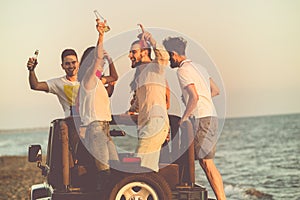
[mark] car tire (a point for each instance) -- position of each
(147, 186)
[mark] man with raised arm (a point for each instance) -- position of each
(150, 86)
(66, 89)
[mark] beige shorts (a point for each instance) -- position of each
(206, 136)
(151, 136)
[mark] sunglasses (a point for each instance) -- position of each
(133, 51)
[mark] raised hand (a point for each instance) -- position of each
(100, 28)
(31, 64)
(146, 36)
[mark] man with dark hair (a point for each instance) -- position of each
(151, 88)
(198, 88)
(66, 89)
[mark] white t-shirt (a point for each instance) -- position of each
(65, 90)
(177, 106)
(189, 73)
(94, 105)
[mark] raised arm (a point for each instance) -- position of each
(91, 77)
(33, 80)
(161, 55)
(113, 75)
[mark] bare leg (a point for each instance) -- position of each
(214, 177)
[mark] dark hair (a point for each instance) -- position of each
(86, 53)
(85, 62)
(68, 52)
(177, 44)
(144, 48)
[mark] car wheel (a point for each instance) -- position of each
(148, 186)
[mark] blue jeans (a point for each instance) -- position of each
(100, 145)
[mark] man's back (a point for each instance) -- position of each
(188, 73)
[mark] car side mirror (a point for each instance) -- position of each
(35, 153)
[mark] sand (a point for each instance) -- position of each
(16, 177)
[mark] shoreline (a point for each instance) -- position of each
(16, 177)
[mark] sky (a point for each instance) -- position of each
(254, 45)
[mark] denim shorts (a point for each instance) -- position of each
(99, 144)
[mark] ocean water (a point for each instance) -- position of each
(261, 154)
(258, 157)
(16, 142)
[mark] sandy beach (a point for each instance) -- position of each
(16, 177)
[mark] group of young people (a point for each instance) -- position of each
(85, 85)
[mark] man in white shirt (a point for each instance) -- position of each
(198, 88)
(66, 89)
